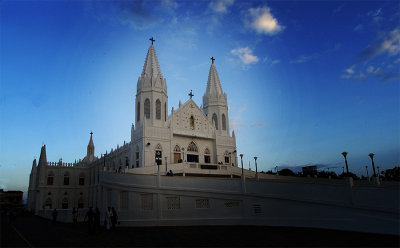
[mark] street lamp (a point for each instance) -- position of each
(255, 160)
(342, 170)
(371, 155)
(166, 166)
(366, 167)
(378, 170)
(345, 160)
(241, 158)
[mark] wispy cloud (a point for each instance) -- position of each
(262, 21)
(388, 44)
(305, 58)
(271, 61)
(370, 71)
(376, 15)
(358, 28)
(246, 55)
(220, 6)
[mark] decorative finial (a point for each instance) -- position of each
(212, 60)
(91, 133)
(152, 40)
(190, 94)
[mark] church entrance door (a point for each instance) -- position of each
(177, 157)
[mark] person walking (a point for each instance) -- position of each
(90, 217)
(54, 214)
(97, 220)
(75, 216)
(114, 218)
(107, 218)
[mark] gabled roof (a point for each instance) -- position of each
(188, 102)
(151, 66)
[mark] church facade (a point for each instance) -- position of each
(190, 135)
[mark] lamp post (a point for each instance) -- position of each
(342, 170)
(276, 170)
(345, 161)
(371, 155)
(166, 164)
(378, 170)
(255, 160)
(241, 158)
(366, 167)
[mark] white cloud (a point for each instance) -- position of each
(390, 44)
(246, 55)
(221, 6)
(261, 20)
(271, 61)
(350, 70)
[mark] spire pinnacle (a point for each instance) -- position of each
(151, 66)
(90, 147)
(213, 84)
(212, 60)
(43, 157)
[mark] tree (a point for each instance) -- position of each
(392, 174)
(286, 172)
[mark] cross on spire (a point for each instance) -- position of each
(212, 60)
(152, 40)
(190, 94)
(91, 133)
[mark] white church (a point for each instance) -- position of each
(208, 187)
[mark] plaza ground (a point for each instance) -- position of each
(32, 231)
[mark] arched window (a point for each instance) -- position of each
(147, 108)
(66, 178)
(215, 120)
(192, 147)
(138, 112)
(207, 157)
(80, 203)
(191, 120)
(177, 149)
(81, 179)
(165, 111)
(64, 204)
(223, 122)
(50, 178)
(158, 109)
(48, 203)
(137, 156)
(227, 157)
(192, 151)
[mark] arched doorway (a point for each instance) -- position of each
(177, 154)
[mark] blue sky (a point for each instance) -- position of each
(305, 80)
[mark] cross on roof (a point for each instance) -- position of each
(91, 133)
(190, 94)
(212, 60)
(152, 40)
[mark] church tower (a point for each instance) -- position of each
(151, 97)
(215, 102)
(151, 114)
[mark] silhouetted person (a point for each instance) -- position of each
(54, 214)
(171, 173)
(114, 217)
(107, 218)
(97, 220)
(90, 217)
(75, 216)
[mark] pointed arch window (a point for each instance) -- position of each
(64, 204)
(165, 111)
(227, 157)
(192, 151)
(177, 154)
(66, 178)
(191, 120)
(158, 109)
(50, 178)
(137, 156)
(48, 203)
(80, 203)
(138, 112)
(207, 156)
(215, 120)
(147, 108)
(223, 122)
(81, 179)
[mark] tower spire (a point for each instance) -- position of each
(214, 88)
(90, 147)
(151, 66)
(43, 157)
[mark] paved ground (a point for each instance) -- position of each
(32, 231)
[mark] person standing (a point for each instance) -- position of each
(75, 216)
(114, 218)
(90, 217)
(107, 219)
(55, 213)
